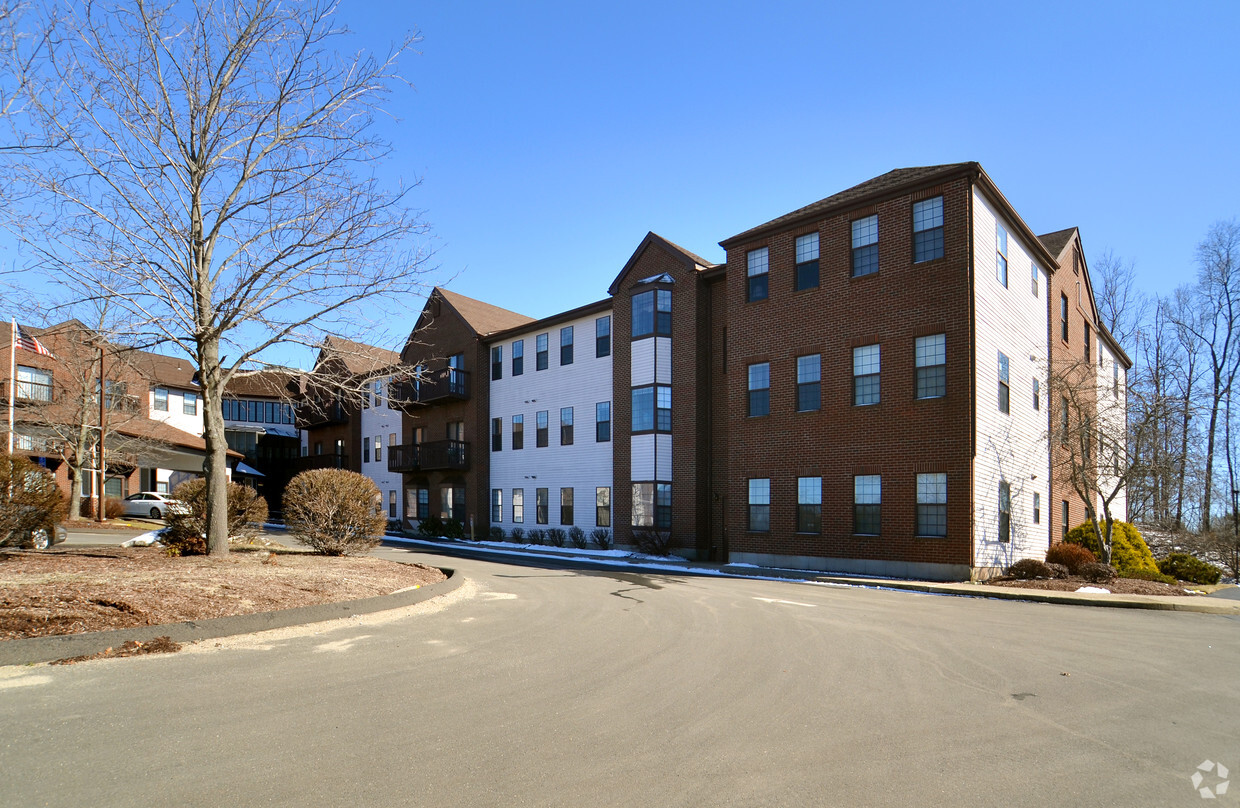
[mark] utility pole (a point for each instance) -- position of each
(103, 473)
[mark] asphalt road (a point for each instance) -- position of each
(534, 686)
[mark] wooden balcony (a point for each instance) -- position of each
(439, 455)
(435, 386)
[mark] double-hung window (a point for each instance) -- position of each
(35, 384)
(1005, 511)
(1033, 279)
(541, 505)
(930, 358)
(602, 337)
(759, 389)
(497, 505)
(1005, 390)
(566, 345)
(1037, 508)
(759, 505)
(867, 363)
(190, 404)
(1087, 359)
(602, 506)
(652, 314)
(602, 422)
(932, 505)
(518, 432)
(809, 505)
(807, 261)
(566, 506)
(518, 505)
(809, 383)
(867, 504)
(497, 362)
(652, 408)
(758, 274)
(1063, 317)
(928, 229)
(1001, 255)
(540, 352)
(865, 246)
(518, 357)
(566, 426)
(1037, 395)
(541, 421)
(497, 434)
(161, 399)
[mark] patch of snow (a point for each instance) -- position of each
(1094, 590)
(144, 540)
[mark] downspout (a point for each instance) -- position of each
(972, 373)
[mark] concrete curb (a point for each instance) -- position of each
(1186, 603)
(50, 649)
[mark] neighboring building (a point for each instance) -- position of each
(153, 441)
(444, 459)
(550, 435)
(259, 423)
(863, 386)
(329, 414)
(381, 426)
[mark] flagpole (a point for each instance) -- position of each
(12, 377)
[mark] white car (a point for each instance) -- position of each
(152, 504)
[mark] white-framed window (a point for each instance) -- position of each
(867, 365)
(758, 274)
(928, 229)
(497, 505)
(759, 389)
(809, 504)
(759, 505)
(518, 505)
(190, 404)
(161, 399)
(807, 261)
(932, 505)
(1033, 279)
(1001, 254)
(1005, 389)
(809, 383)
(930, 359)
(867, 504)
(865, 246)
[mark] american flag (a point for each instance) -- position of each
(29, 343)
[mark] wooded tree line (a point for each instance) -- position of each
(1183, 431)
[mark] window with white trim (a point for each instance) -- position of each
(865, 246)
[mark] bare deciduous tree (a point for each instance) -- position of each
(219, 179)
(1103, 433)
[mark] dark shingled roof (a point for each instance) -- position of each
(692, 256)
(358, 358)
(885, 182)
(266, 383)
(483, 318)
(1055, 242)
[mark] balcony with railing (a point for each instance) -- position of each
(437, 455)
(434, 386)
(325, 461)
(27, 391)
(313, 413)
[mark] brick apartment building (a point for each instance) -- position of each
(862, 386)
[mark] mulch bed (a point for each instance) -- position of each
(75, 590)
(1120, 586)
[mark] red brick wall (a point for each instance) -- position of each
(897, 438)
(436, 339)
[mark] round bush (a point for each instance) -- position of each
(186, 532)
(1098, 573)
(1129, 552)
(1057, 570)
(1027, 569)
(1072, 556)
(29, 498)
(334, 511)
(1185, 567)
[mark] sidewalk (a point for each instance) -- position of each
(1206, 604)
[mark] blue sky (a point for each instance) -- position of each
(550, 137)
